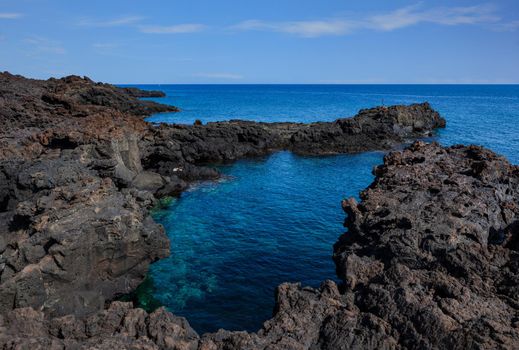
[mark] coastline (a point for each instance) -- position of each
(135, 160)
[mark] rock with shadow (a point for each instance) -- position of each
(430, 259)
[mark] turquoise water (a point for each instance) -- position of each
(275, 219)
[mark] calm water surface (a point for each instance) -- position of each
(275, 219)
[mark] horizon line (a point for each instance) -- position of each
(324, 84)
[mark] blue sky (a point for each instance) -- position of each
(281, 41)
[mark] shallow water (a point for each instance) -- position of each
(275, 219)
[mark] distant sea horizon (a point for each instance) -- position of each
(471, 110)
(360, 84)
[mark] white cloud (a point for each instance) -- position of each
(388, 21)
(412, 15)
(400, 18)
(225, 76)
(10, 15)
(174, 29)
(114, 22)
(43, 45)
(508, 26)
(105, 45)
(136, 21)
(302, 28)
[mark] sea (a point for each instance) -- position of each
(275, 219)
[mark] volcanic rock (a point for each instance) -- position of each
(432, 248)
(80, 169)
(134, 92)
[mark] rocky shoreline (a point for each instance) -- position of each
(430, 259)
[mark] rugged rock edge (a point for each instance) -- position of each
(430, 259)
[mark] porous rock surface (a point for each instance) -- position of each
(433, 248)
(72, 235)
(430, 259)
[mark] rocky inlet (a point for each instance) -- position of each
(430, 259)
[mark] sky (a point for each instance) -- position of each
(265, 41)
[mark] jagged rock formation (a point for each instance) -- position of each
(73, 239)
(430, 261)
(80, 168)
(118, 327)
(173, 150)
(134, 92)
(72, 236)
(433, 249)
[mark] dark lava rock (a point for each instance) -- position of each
(74, 198)
(84, 91)
(430, 260)
(432, 248)
(120, 326)
(134, 92)
(72, 239)
(80, 169)
(173, 148)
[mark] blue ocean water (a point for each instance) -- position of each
(275, 219)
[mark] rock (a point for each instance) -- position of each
(179, 146)
(81, 239)
(134, 92)
(3, 244)
(174, 186)
(171, 332)
(420, 270)
(371, 129)
(148, 181)
(70, 238)
(118, 327)
(429, 249)
(80, 168)
(84, 91)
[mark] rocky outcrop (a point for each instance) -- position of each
(79, 170)
(430, 261)
(433, 248)
(73, 233)
(120, 326)
(71, 238)
(306, 318)
(134, 92)
(172, 150)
